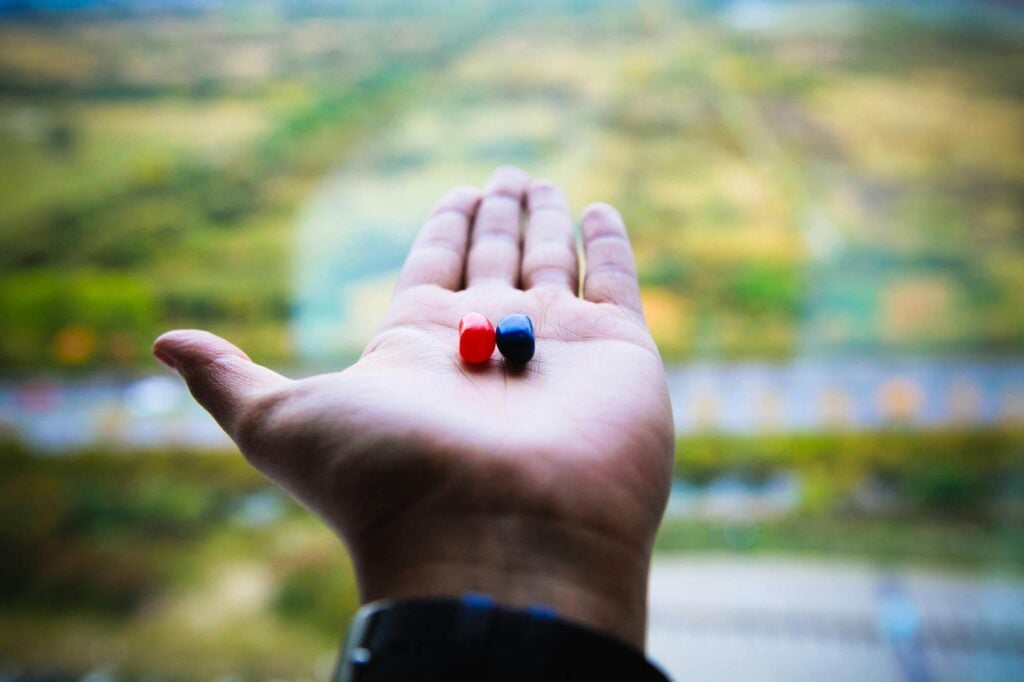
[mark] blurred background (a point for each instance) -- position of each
(827, 203)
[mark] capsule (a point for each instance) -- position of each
(476, 338)
(514, 337)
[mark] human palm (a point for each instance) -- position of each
(444, 477)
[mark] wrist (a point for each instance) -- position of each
(588, 576)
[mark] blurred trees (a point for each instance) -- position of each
(848, 192)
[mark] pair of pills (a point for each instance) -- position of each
(513, 336)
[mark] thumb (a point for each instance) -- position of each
(220, 375)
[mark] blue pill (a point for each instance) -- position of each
(514, 336)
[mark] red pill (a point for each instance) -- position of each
(476, 338)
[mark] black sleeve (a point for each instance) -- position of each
(422, 640)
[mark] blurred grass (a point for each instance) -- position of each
(149, 561)
(909, 542)
(963, 472)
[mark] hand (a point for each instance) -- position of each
(538, 485)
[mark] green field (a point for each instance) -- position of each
(191, 566)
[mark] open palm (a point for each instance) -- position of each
(540, 483)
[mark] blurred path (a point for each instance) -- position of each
(763, 619)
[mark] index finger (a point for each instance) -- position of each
(438, 254)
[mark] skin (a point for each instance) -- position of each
(542, 484)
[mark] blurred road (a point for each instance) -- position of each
(787, 620)
(801, 395)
